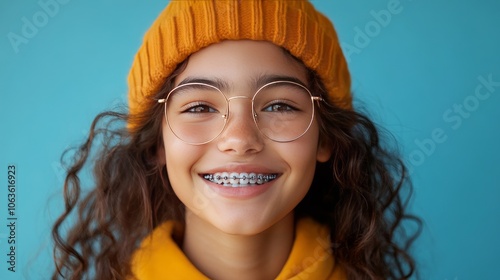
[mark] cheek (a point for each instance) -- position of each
(179, 159)
(301, 156)
(306, 149)
(303, 164)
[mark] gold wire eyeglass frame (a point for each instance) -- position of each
(254, 114)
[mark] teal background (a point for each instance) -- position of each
(410, 73)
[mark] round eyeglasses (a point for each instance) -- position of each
(197, 112)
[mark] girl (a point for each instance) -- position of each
(241, 158)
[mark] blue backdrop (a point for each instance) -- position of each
(429, 71)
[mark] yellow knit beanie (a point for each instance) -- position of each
(185, 27)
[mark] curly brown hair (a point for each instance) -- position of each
(357, 194)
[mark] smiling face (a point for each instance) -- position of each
(241, 150)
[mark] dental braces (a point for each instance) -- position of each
(258, 178)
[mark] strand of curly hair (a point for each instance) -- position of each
(359, 194)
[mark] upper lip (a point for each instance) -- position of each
(242, 168)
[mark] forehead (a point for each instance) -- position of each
(242, 63)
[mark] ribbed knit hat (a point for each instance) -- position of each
(185, 27)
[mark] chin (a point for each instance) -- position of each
(248, 224)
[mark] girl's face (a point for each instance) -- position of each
(241, 148)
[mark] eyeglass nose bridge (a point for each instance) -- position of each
(226, 116)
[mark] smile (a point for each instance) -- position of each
(239, 179)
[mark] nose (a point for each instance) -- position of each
(240, 136)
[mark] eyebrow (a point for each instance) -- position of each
(256, 83)
(216, 82)
(269, 78)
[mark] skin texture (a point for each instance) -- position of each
(230, 237)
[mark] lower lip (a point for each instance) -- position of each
(240, 192)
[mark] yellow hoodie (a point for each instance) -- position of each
(161, 258)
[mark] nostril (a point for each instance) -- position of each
(240, 137)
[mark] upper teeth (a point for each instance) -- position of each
(226, 178)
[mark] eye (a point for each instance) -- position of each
(200, 108)
(279, 106)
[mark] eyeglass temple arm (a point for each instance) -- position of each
(317, 98)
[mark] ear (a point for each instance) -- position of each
(324, 151)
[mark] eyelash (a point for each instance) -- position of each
(192, 108)
(283, 103)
